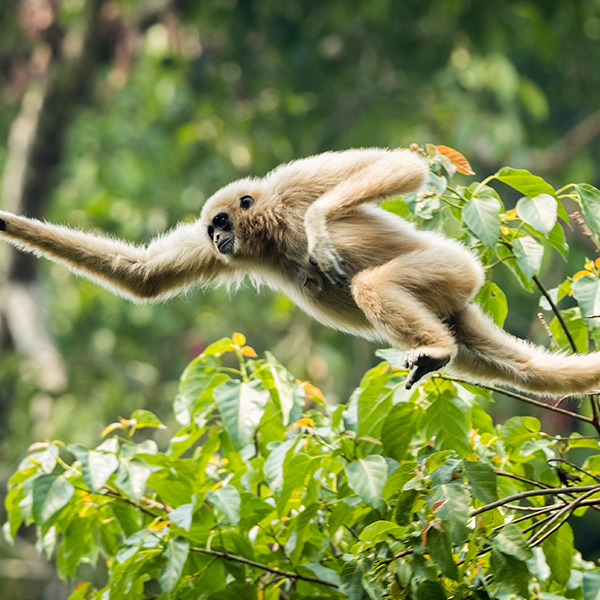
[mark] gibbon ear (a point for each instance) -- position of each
(246, 202)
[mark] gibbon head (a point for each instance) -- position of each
(228, 217)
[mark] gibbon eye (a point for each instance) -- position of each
(221, 221)
(246, 202)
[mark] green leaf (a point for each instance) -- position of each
(576, 325)
(50, 494)
(399, 427)
(529, 253)
(96, 468)
(176, 552)
(430, 590)
(80, 592)
(591, 584)
(510, 574)
(381, 531)
(493, 302)
(440, 550)
(131, 477)
(374, 404)
(482, 479)
(397, 479)
(276, 378)
(453, 503)
(524, 182)
(182, 516)
(76, 543)
(558, 550)
(241, 405)
(144, 418)
(587, 293)
(367, 477)
(482, 217)
(447, 419)
(590, 204)
(540, 212)
(510, 540)
(227, 499)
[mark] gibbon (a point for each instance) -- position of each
(309, 229)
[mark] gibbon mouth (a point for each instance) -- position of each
(226, 245)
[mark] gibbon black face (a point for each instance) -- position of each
(221, 233)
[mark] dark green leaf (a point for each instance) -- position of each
(482, 479)
(558, 550)
(510, 540)
(430, 590)
(511, 575)
(440, 550)
(452, 503)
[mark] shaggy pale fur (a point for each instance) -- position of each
(310, 233)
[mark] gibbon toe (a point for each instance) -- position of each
(419, 364)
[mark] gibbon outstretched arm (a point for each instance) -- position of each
(141, 273)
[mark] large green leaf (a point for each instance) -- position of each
(482, 217)
(227, 499)
(447, 419)
(97, 467)
(440, 550)
(590, 204)
(452, 503)
(241, 405)
(50, 494)
(493, 302)
(558, 550)
(524, 182)
(529, 253)
(280, 384)
(366, 477)
(482, 479)
(587, 293)
(510, 540)
(131, 477)
(374, 404)
(76, 543)
(511, 575)
(176, 552)
(399, 427)
(540, 211)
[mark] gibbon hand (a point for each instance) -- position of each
(310, 229)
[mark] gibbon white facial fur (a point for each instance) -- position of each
(310, 230)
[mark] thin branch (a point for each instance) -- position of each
(510, 394)
(530, 493)
(556, 312)
(257, 565)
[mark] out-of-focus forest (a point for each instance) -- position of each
(126, 116)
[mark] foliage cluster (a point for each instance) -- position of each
(267, 491)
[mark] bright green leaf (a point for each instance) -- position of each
(482, 217)
(367, 477)
(529, 254)
(176, 552)
(50, 494)
(227, 499)
(524, 182)
(241, 405)
(540, 211)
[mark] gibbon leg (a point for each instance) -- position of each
(408, 299)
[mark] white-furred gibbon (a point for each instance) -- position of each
(310, 229)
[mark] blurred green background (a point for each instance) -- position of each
(126, 116)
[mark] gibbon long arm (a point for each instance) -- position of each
(170, 263)
(309, 229)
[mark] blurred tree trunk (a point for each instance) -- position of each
(59, 80)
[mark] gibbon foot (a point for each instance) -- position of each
(419, 364)
(326, 257)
